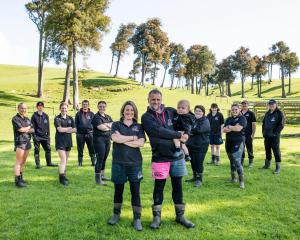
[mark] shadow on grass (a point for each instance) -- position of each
(102, 81)
(5, 97)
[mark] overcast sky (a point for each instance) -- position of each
(222, 25)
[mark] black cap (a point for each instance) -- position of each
(40, 104)
(272, 101)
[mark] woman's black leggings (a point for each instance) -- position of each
(158, 194)
(135, 193)
(102, 148)
(197, 159)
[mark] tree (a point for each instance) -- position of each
(37, 12)
(113, 55)
(191, 66)
(121, 43)
(259, 71)
(280, 51)
(226, 74)
(148, 41)
(136, 67)
(291, 65)
(242, 64)
(165, 62)
(77, 24)
(270, 61)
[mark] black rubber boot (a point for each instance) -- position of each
(103, 176)
(137, 212)
(156, 211)
(241, 180)
(19, 183)
(37, 161)
(233, 178)
(193, 179)
(79, 162)
(277, 170)
(198, 182)
(99, 180)
(116, 216)
(217, 160)
(48, 160)
(267, 164)
(179, 209)
(63, 180)
(213, 158)
(250, 163)
(21, 174)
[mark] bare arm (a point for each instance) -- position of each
(236, 128)
(222, 126)
(136, 143)
(119, 138)
(253, 129)
(24, 129)
(64, 129)
(104, 127)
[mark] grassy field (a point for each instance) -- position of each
(267, 209)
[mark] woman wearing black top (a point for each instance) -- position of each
(235, 138)
(65, 126)
(101, 139)
(128, 136)
(22, 134)
(198, 144)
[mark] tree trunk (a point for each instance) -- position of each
(66, 97)
(228, 90)
(243, 86)
(118, 63)
(197, 87)
(163, 81)
(282, 83)
(75, 80)
(154, 75)
(271, 73)
(112, 63)
(206, 88)
(40, 65)
(260, 83)
(290, 82)
(252, 83)
(192, 85)
(143, 70)
(172, 79)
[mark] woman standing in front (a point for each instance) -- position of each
(235, 139)
(65, 126)
(198, 144)
(22, 134)
(101, 139)
(128, 136)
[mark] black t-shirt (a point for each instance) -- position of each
(250, 117)
(98, 120)
(215, 123)
(63, 139)
(123, 154)
(41, 125)
(233, 136)
(19, 122)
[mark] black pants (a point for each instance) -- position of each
(102, 148)
(83, 139)
(273, 143)
(197, 159)
(249, 147)
(234, 152)
(158, 193)
(134, 190)
(47, 148)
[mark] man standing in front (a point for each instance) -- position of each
(157, 123)
(272, 125)
(249, 132)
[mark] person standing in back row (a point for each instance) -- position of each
(273, 123)
(41, 136)
(83, 123)
(249, 132)
(216, 121)
(101, 135)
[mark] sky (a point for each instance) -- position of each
(223, 26)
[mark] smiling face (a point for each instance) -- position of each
(198, 113)
(64, 109)
(235, 111)
(154, 101)
(128, 112)
(102, 108)
(272, 107)
(22, 109)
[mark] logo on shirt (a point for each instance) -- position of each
(88, 117)
(170, 122)
(45, 121)
(273, 119)
(69, 121)
(247, 115)
(216, 118)
(135, 128)
(28, 122)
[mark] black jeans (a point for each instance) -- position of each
(134, 190)
(158, 193)
(102, 148)
(197, 159)
(47, 148)
(273, 143)
(249, 147)
(81, 140)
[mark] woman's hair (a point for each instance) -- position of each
(214, 105)
(200, 107)
(101, 102)
(62, 104)
(132, 104)
(184, 101)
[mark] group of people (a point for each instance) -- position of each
(176, 136)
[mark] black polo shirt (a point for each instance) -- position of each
(236, 137)
(63, 140)
(250, 117)
(83, 122)
(98, 120)
(41, 125)
(123, 154)
(19, 122)
(215, 123)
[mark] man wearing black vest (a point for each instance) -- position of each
(41, 136)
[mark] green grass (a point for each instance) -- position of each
(267, 209)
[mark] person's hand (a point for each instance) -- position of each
(252, 136)
(227, 129)
(135, 138)
(184, 138)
